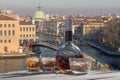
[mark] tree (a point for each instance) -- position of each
(111, 33)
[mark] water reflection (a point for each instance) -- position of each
(7, 65)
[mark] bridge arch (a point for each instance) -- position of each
(46, 45)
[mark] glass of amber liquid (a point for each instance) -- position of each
(33, 62)
(48, 63)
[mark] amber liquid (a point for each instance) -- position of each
(63, 61)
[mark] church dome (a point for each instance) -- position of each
(39, 14)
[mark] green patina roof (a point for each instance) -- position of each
(39, 14)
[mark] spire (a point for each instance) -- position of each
(39, 4)
(39, 7)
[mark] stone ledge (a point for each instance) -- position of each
(92, 75)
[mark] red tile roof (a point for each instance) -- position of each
(24, 23)
(3, 17)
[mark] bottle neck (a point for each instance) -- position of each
(68, 36)
(69, 43)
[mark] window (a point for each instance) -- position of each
(8, 25)
(20, 29)
(5, 41)
(13, 25)
(5, 32)
(23, 35)
(23, 28)
(13, 33)
(0, 41)
(4, 25)
(9, 32)
(26, 28)
(20, 42)
(29, 35)
(9, 41)
(20, 35)
(0, 25)
(33, 29)
(0, 32)
(33, 35)
(26, 35)
(30, 28)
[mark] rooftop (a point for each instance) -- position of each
(24, 23)
(3, 17)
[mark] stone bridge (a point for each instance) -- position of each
(45, 44)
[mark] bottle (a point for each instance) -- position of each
(67, 50)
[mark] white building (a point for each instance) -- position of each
(52, 27)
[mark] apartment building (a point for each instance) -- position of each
(9, 31)
(53, 27)
(27, 32)
(13, 33)
(91, 27)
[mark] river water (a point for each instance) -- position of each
(7, 65)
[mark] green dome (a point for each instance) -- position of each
(39, 14)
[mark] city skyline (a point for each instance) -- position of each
(91, 7)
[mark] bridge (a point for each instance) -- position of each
(45, 44)
(52, 44)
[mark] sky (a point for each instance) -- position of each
(87, 7)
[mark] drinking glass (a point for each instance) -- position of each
(48, 63)
(33, 62)
(80, 65)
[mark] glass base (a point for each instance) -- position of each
(33, 69)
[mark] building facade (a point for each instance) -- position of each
(9, 34)
(27, 32)
(53, 27)
(13, 33)
(88, 30)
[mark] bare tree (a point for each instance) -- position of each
(111, 33)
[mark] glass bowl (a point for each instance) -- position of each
(80, 65)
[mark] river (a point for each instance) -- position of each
(7, 65)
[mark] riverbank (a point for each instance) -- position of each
(14, 55)
(11, 56)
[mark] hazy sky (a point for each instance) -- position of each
(88, 7)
